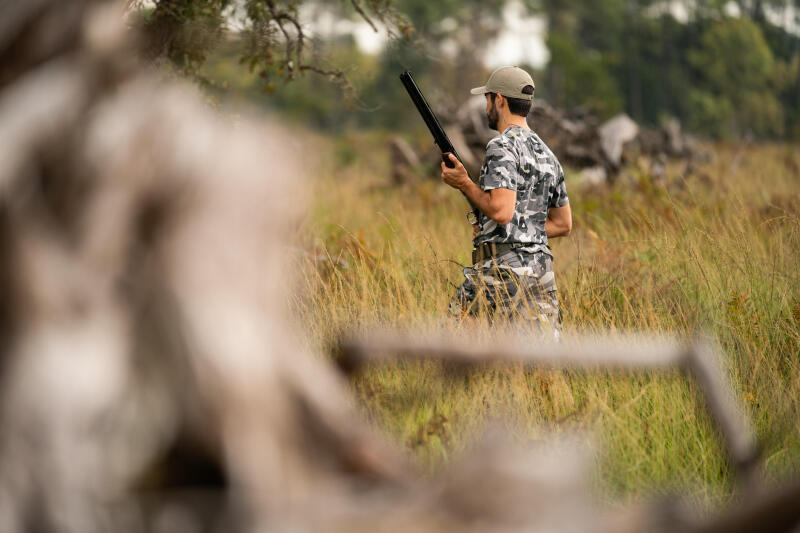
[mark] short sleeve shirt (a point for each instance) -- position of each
(520, 161)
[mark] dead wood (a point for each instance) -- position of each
(577, 138)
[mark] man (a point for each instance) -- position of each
(522, 201)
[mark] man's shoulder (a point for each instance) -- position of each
(500, 149)
(540, 146)
(523, 144)
(516, 137)
(499, 142)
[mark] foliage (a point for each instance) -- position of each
(736, 70)
(582, 79)
(709, 114)
(723, 76)
(182, 31)
(274, 42)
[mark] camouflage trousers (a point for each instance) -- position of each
(517, 285)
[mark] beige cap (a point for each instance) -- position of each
(508, 81)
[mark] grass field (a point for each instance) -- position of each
(717, 252)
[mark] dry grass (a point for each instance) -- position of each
(717, 253)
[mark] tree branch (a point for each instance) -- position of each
(360, 10)
(270, 24)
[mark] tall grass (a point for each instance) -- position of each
(716, 252)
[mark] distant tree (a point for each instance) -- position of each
(578, 78)
(757, 9)
(788, 83)
(722, 75)
(735, 93)
(613, 56)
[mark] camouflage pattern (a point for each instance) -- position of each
(517, 285)
(520, 161)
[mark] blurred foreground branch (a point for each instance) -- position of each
(699, 360)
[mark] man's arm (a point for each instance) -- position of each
(558, 222)
(497, 204)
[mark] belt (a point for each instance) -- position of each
(487, 250)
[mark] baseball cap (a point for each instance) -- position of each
(508, 81)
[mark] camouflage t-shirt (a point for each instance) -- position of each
(520, 161)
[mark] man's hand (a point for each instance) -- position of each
(455, 177)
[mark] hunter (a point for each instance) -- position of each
(521, 201)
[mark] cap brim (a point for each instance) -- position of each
(479, 90)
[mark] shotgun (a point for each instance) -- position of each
(439, 136)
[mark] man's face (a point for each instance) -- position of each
(491, 112)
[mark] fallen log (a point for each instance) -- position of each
(578, 138)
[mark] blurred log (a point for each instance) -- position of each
(699, 360)
(594, 176)
(776, 512)
(614, 135)
(35, 31)
(675, 143)
(470, 162)
(472, 120)
(577, 138)
(143, 324)
(405, 163)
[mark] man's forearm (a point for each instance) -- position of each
(552, 229)
(555, 228)
(483, 200)
(477, 196)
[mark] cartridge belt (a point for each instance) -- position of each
(487, 250)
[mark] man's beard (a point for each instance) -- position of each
(493, 117)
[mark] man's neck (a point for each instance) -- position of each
(513, 120)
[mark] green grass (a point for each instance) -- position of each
(718, 253)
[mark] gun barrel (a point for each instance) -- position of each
(439, 135)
